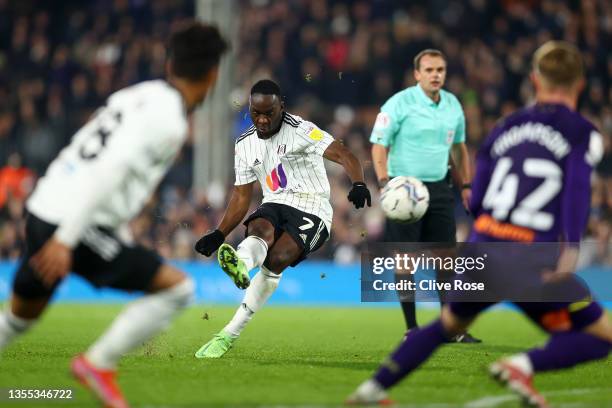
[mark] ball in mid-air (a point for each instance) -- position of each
(404, 199)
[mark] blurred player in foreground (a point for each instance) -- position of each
(532, 180)
(79, 211)
(285, 154)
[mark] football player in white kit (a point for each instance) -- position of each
(285, 154)
(78, 212)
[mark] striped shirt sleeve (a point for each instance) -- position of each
(244, 172)
(317, 140)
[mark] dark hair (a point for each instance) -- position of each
(431, 52)
(266, 87)
(194, 49)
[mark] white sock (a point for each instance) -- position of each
(252, 250)
(12, 326)
(138, 322)
(263, 284)
(522, 362)
(370, 391)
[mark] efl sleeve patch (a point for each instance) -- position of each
(383, 121)
(316, 134)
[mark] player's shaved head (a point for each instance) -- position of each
(266, 107)
(558, 64)
(266, 87)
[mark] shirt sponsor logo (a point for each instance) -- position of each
(487, 225)
(277, 179)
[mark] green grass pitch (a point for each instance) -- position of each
(289, 357)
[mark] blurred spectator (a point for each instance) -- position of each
(16, 181)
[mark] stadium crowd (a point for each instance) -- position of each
(337, 61)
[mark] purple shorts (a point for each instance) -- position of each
(550, 316)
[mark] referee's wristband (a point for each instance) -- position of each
(466, 185)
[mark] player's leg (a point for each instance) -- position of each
(579, 333)
(18, 316)
(302, 233)
(415, 349)
(398, 232)
(439, 227)
(167, 291)
(282, 253)
(251, 252)
(30, 296)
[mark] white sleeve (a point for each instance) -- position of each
(244, 172)
(315, 139)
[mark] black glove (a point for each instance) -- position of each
(210, 242)
(359, 195)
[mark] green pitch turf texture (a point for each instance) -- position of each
(289, 357)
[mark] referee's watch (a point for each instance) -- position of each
(466, 186)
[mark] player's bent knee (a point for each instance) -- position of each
(166, 277)
(178, 296)
(278, 261)
(263, 229)
(183, 293)
(602, 329)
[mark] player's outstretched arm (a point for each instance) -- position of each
(236, 210)
(338, 153)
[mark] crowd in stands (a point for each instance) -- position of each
(337, 62)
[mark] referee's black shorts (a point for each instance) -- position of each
(438, 223)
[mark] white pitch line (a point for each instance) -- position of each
(490, 401)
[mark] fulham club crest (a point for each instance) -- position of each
(281, 149)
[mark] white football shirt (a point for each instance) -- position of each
(113, 163)
(289, 166)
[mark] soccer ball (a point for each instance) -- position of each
(404, 199)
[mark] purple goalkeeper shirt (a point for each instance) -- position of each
(532, 181)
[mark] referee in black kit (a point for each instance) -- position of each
(415, 132)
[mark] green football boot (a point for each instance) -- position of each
(217, 346)
(233, 266)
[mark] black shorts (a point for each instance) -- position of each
(100, 257)
(438, 223)
(307, 230)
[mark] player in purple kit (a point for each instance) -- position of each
(532, 184)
